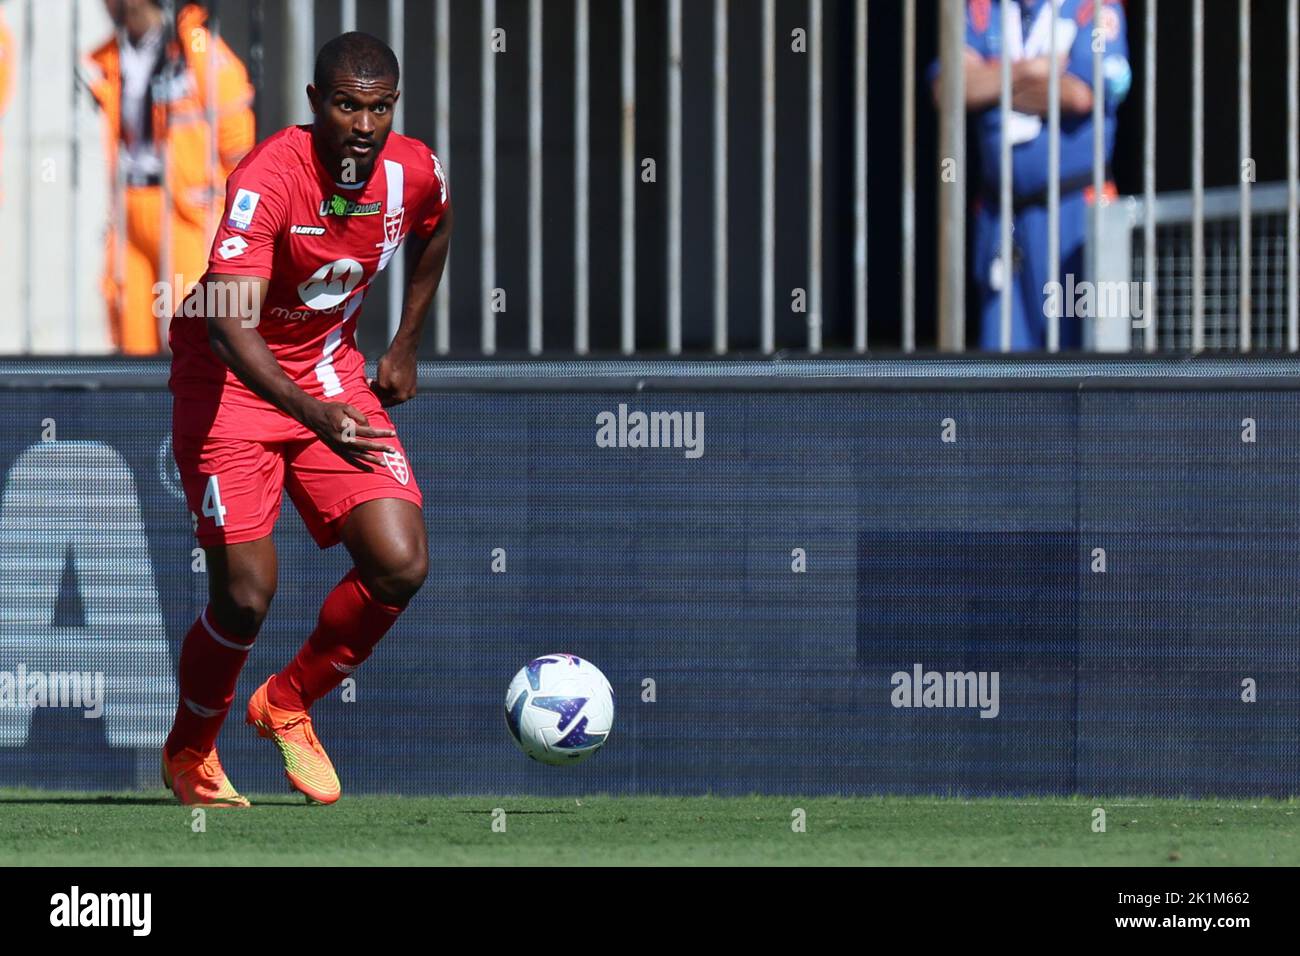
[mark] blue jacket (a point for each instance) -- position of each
(1074, 40)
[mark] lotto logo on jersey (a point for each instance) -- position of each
(243, 208)
(232, 247)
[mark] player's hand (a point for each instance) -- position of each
(346, 430)
(395, 378)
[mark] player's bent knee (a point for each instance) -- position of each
(242, 610)
(397, 583)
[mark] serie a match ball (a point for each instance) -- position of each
(559, 709)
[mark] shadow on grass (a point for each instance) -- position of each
(516, 813)
(140, 801)
(284, 802)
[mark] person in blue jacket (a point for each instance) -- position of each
(1028, 44)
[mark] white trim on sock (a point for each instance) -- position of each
(203, 711)
(218, 638)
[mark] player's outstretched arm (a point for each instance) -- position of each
(235, 341)
(395, 378)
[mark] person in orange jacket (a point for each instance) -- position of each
(6, 64)
(153, 87)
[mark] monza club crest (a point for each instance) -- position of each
(393, 225)
(396, 463)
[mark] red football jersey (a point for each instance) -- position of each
(320, 243)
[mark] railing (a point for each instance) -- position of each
(718, 83)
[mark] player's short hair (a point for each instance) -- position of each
(354, 54)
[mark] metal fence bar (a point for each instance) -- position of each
(347, 16)
(397, 266)
(675, 177)
(1198, 175)
(1221, 203)
(256, 54)
(767, 255)
(119, 233)
(1054, 182)
(720, 176)
(581, 174)
(29, 164)
(442, 132)
(1098, 143)
(1243, 135)
(535, 160)
(860, 177)
(815, 12)
(1292, 175)
(300, 54)
(165, 270)
(1149, 179)
(74, 198)
(627, 219)
(1004, 192)
(908, 80)
(488, 196)
(952, 190)
(214, 163)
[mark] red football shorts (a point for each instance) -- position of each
(236, 462)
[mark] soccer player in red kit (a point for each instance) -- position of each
(274, 395)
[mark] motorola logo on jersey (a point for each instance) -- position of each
(330, 284)
(303, 315)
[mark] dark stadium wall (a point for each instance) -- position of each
(1117, 556)
(884, 152)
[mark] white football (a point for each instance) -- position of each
(559, 709)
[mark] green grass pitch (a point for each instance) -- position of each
(77, 829)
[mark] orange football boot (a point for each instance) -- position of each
(306, 764)
(197, 779)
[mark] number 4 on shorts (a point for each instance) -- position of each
(212, 506)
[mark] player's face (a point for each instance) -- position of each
(353, 121)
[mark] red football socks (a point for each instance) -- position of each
(352, 622)
(211, 659)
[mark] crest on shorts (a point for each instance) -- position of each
(396, 463)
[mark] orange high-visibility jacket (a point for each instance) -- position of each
(6, 63)
(180, 124)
